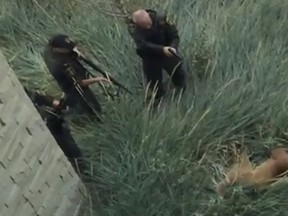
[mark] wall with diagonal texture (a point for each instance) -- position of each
(36, 178)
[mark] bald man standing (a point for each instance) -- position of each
(157, 42)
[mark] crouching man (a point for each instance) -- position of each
(54, 117)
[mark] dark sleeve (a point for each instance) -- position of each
(40, 99)
(143, 44)
(43, 100)
(172, 33)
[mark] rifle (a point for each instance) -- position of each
(81, 93)
(104, 73)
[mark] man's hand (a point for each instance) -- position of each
(55, 104)
(59, 104)
(169, 51)
(78, 53)
(101, 79)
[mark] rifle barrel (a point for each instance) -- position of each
(95, 67)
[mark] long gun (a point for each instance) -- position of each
(82, 94)
(95, 67)
(80, 91)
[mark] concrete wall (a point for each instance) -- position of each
(35, 176)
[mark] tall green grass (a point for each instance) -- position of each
(167, 162)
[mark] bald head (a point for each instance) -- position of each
(142, 19)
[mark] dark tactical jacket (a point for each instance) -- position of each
(39, 99)
(150, 42)
(66, 70)
(54, 119)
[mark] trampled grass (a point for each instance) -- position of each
(166, 163)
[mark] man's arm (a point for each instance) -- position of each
(143, 44)
(172, 33)
(82, 81)
(90, 81)
(41, 99)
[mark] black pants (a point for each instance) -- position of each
(152, 68)
(66, 142)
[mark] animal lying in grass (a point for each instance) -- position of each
(243, 172)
